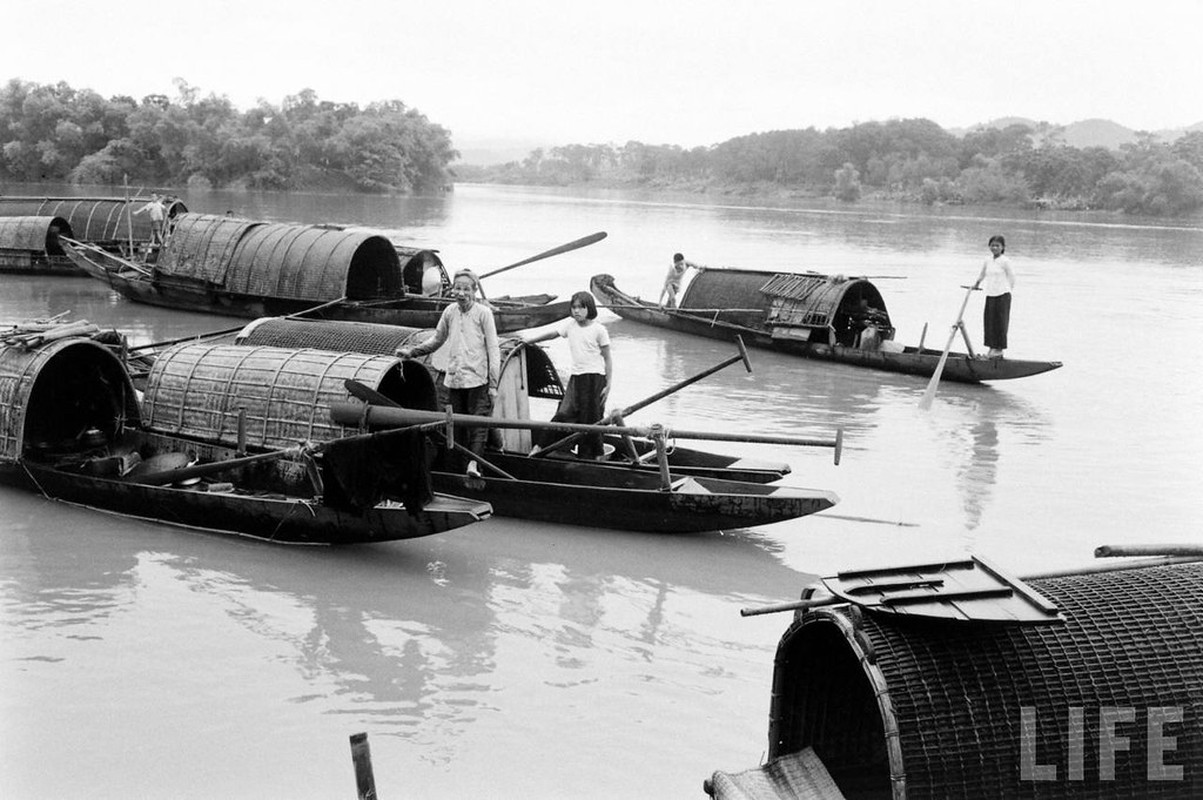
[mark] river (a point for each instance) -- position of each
(514, 659)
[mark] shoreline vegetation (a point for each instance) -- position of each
(57, 134)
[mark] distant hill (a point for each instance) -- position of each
(486, 152)
(1089, 132)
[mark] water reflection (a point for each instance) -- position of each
(974, 424)
(398, 635)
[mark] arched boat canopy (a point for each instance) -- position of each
(898, 707)
(315, 263)
(199, 390)
(830, 309)
(37, 235)
(526, 369)
(51, 395)
(104, 221)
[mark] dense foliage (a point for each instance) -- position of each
(912, 159)
(57, 133)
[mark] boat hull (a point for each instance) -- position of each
(698, 463)
(274, 518)
(413, 311)
(959, 367)
(572, 492)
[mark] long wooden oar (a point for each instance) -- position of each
(124, 262)
(584, 241)
(213, 467)
(654, 307)
(930, 394)
(367, 394)
(616, 416)
(357, 413)
(228, 331)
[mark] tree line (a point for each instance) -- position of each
(911, 159)
(55, 133)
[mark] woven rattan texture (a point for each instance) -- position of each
(56, 390)
(198, 389)
(201, 246)
(30, 233)
(960, 692)
(92, 220)
(352, 337)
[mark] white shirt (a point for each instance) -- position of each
(998, 277)
(585, 343)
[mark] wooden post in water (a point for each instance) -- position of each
(361, 755)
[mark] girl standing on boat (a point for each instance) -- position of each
(999, 281)
(473, 358)
(592, 370)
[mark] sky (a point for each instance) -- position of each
(655, 71)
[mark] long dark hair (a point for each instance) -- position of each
(585, 299)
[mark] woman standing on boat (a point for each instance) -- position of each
(473, 358)
(999, 280)
(592, 370)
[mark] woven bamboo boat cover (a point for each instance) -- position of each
(51, 394)
(33, 234)
(285, 394)
(315, 263)
(935, 710)
(541, 378)
(201, 246)
(96, 220)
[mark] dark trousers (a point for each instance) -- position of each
(996, 319)
(479, 402)
(582, 403)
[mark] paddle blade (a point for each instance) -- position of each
(584, 241)
(929, 394)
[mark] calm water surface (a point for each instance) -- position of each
(514, 659)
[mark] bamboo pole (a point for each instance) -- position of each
(228, 331)
(356, 413)
(616, 417)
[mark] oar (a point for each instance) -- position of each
(615, 416)
(930, 395)
(351, 413)
(654, 307)
(584, 241)
(213, 467)
(361, 391)
(228, 331)
(87, 246)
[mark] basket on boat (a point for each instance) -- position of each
(904, 708)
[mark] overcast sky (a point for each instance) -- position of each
(656, 71)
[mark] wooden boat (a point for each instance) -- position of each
(575, 492)
(71, 429)
(526, 372)
(105, 222)
(243, 268)
(291, 394)
(829, 318)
